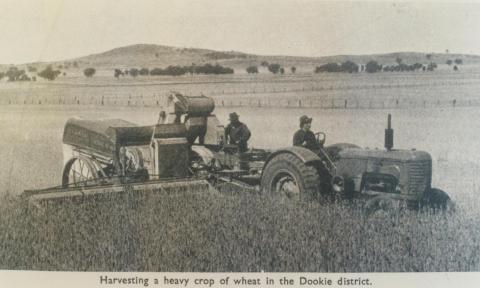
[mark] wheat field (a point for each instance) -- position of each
(240, 231)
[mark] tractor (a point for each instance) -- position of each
(341, 170)
(187, 148)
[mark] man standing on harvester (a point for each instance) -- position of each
(304, 137)
(237, 133)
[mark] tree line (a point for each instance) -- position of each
(373, 66)
(274, 68)
(174, 70)
(49, 73)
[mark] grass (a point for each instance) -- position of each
(240, 232)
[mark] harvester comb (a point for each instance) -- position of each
(166, 187)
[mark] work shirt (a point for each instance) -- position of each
(238, 134)
(305, 139)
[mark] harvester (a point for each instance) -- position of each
(187, 150)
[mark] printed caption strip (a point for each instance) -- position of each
(21, 279)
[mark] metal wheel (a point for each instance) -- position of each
(286, 184)
(287, 176)
(438, 199)
(132, 159)
(79, 172)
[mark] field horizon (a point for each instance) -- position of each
(154, 55)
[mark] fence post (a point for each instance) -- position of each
(299, 103)
(345, 103)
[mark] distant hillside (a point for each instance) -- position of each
(151, 55)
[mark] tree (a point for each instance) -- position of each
(49, 74)
(133, 72)
(293, 69)
(449, 62)
(157, 72)
(252, 70)
(2, 74)
(458, 61)
(89, 72)
(349, 67)
(372, 67)
(432, 66)
(282, 70)
(329, 67)
(24, 77)
(143, 72)
(455, 68)
(264, 64)
(428, 56)
(398, 60)
(14, 74)
(117, 73)
(417, 66)
(274, 68)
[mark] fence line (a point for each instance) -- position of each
(320, 102)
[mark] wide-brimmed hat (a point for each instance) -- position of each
(304, 120)
(234, 116)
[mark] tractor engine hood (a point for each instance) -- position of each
(392, 155)
(408, 172)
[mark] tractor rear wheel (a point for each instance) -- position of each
(287, 176)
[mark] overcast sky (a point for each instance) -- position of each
(44, 30)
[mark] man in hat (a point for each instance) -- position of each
(237, 133)
(304, 136)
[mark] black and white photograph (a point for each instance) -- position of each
(239, 136)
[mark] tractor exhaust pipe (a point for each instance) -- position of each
(389, 134)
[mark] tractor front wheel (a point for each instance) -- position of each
(287, 176)
(438, 199)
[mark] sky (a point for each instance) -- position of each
(48, 30)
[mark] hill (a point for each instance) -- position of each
(151, 55)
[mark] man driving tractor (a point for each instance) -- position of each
(304, 137)
(237, 133)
